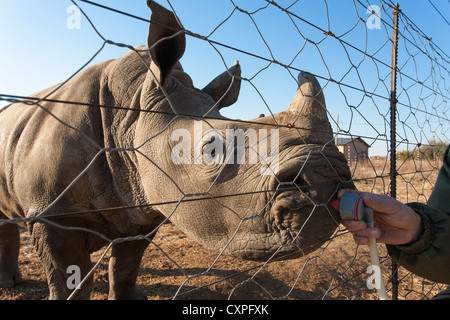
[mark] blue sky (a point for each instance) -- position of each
(39, 50)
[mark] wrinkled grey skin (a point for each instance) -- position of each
(40, 156)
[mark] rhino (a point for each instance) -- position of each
(64, 154)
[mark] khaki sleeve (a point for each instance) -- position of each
(428, 256)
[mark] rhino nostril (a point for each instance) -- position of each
(300, 182)
(292, 183)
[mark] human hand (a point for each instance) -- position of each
(394, 222)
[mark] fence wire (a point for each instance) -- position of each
(351, 57)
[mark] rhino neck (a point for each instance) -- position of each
(119, 131)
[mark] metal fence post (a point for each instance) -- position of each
(393, 112)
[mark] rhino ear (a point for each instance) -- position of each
(166, 53)
(225, 88)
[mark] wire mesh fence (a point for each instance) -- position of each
(348, 47)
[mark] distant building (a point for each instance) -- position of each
(354, 149)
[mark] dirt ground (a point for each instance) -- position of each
(179, 268)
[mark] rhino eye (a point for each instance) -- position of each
(213, 150)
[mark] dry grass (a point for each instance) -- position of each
(415, 178)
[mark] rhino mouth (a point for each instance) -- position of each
(300, 217)
(292, 204)
(290, 208)
(302, 193)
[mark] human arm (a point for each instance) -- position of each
(416, 235)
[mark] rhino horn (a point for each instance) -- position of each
(308, 109)
(307, 112)
(166, 42)
(224, 89)
(309, 101)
